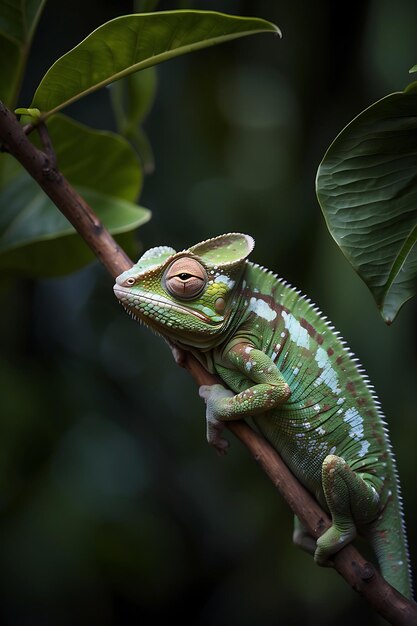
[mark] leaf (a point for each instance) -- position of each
(28, 215)
(35, 114)
(36, 237)
(367, 189)
(57, 257)
(132, 98)
(134, 42)
(105, 171)
(99, 160)
(141, 144)
(9, 169)
(9, 62)
(18, 20)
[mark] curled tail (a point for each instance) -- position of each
(389, 541)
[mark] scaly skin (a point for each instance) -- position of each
(288, 370)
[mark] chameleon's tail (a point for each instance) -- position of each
(389, 542)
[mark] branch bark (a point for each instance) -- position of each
(358, 572)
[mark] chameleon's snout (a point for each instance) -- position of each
(120, 289)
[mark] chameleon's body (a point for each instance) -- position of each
(292, 373)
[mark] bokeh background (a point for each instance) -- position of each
(113, 509)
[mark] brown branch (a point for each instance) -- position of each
(358, 572)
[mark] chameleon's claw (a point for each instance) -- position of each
(204, 391)
(214, 429)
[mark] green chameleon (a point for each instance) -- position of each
(290, 371)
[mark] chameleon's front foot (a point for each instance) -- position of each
(213, 396)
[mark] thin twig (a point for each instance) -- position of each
(28, 128)
(358, 572)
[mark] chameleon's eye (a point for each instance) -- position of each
(185, 278)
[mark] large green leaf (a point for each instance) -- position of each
(18, 20)
(367, 188)
(133, 42)
(101, 166)
(28, 215)
(36, 237)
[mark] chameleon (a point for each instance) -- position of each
(284, 366)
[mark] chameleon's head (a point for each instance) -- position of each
(189, 296)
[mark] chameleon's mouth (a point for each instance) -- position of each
(131, 301)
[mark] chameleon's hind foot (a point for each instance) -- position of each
(351, 498)
(332, 541)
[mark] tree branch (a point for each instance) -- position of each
(358, 572)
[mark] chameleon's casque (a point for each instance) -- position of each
(291, 372)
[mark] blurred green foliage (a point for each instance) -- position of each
(114, 509)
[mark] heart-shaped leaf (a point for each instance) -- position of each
(133, 42)
(367, 189)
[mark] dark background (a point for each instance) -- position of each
(113, 508)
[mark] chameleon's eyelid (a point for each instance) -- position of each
(186, 265)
